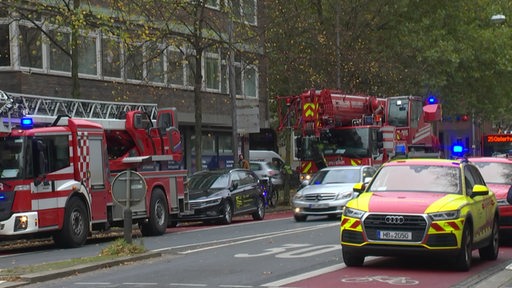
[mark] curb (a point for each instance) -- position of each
(32, 278)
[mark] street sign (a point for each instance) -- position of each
(129, 185)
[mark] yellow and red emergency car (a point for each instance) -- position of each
(433, 207)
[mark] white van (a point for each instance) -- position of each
(268, 156)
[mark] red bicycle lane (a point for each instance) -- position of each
(389, 272)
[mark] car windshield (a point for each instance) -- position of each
(495, 173)
(336, 176)
(417, 178)
(203, 181)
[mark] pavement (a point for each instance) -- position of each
(500, 276)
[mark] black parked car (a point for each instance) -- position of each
(219, 195)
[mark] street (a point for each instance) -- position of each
(276, 252)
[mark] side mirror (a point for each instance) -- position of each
(358, 188)
(234, 185)
(479, 190)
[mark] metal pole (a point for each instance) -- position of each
(127, 212)
(232, 93)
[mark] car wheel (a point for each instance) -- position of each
(76, 225)
(464, 257)
(352, 260)
(260, 210)
(158, 216)
(300, 218)
(227, 213)
(490, 252)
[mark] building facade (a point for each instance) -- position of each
(33, 62)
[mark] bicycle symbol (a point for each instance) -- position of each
(385, 279)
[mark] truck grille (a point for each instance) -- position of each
(411, 223)
(320, 197)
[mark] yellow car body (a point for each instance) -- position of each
(421, 207)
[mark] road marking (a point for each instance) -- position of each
(188, 285)
(303, 276)
(93, 283)
(242, 239)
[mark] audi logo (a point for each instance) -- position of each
(394, 219)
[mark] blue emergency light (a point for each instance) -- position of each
(457, 149)
(431, 100)
(3, 197)
(26, 123)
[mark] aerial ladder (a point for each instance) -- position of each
(136, 132)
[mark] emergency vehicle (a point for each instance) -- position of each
(422, 207)
(336, 129)
(58, 158)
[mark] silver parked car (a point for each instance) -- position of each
(328, 191)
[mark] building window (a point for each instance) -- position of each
(5, 51)
(175, 67)
(31, 44)
(245, 10)
(213, 4)
(155, 63)
(134, 64)
(111, 58)
(212, 71)
(59, 51)
(250, 81)
(248, 10)
(87, 63)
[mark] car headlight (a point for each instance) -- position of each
(344, 195)
(353, 213)
(298, 196)
(447, 215)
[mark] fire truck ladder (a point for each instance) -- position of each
(43, 109)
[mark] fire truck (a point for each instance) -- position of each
(59, 158)
(336, 129)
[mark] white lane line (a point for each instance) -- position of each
(305, 275)
(188, 284)
(244, 239)
(310, 274)
(92, 283)
(140, 284)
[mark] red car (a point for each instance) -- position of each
(497, 173)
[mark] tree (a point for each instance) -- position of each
(193, 28)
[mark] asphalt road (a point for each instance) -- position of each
(276, 252)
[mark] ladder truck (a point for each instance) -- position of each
(336, 129)
(59, 158)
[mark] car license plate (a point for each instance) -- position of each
(394, 235)
(318, 205)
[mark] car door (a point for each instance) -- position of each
(243, 199)
(480, 216)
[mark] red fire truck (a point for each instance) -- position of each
(58, 158)
(338, 129)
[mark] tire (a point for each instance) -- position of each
(300, 217)
(491, 251)
(158, 215)
(352, 260)
(75, 228)
(464, 257)
(260, 212)
(227, 213)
